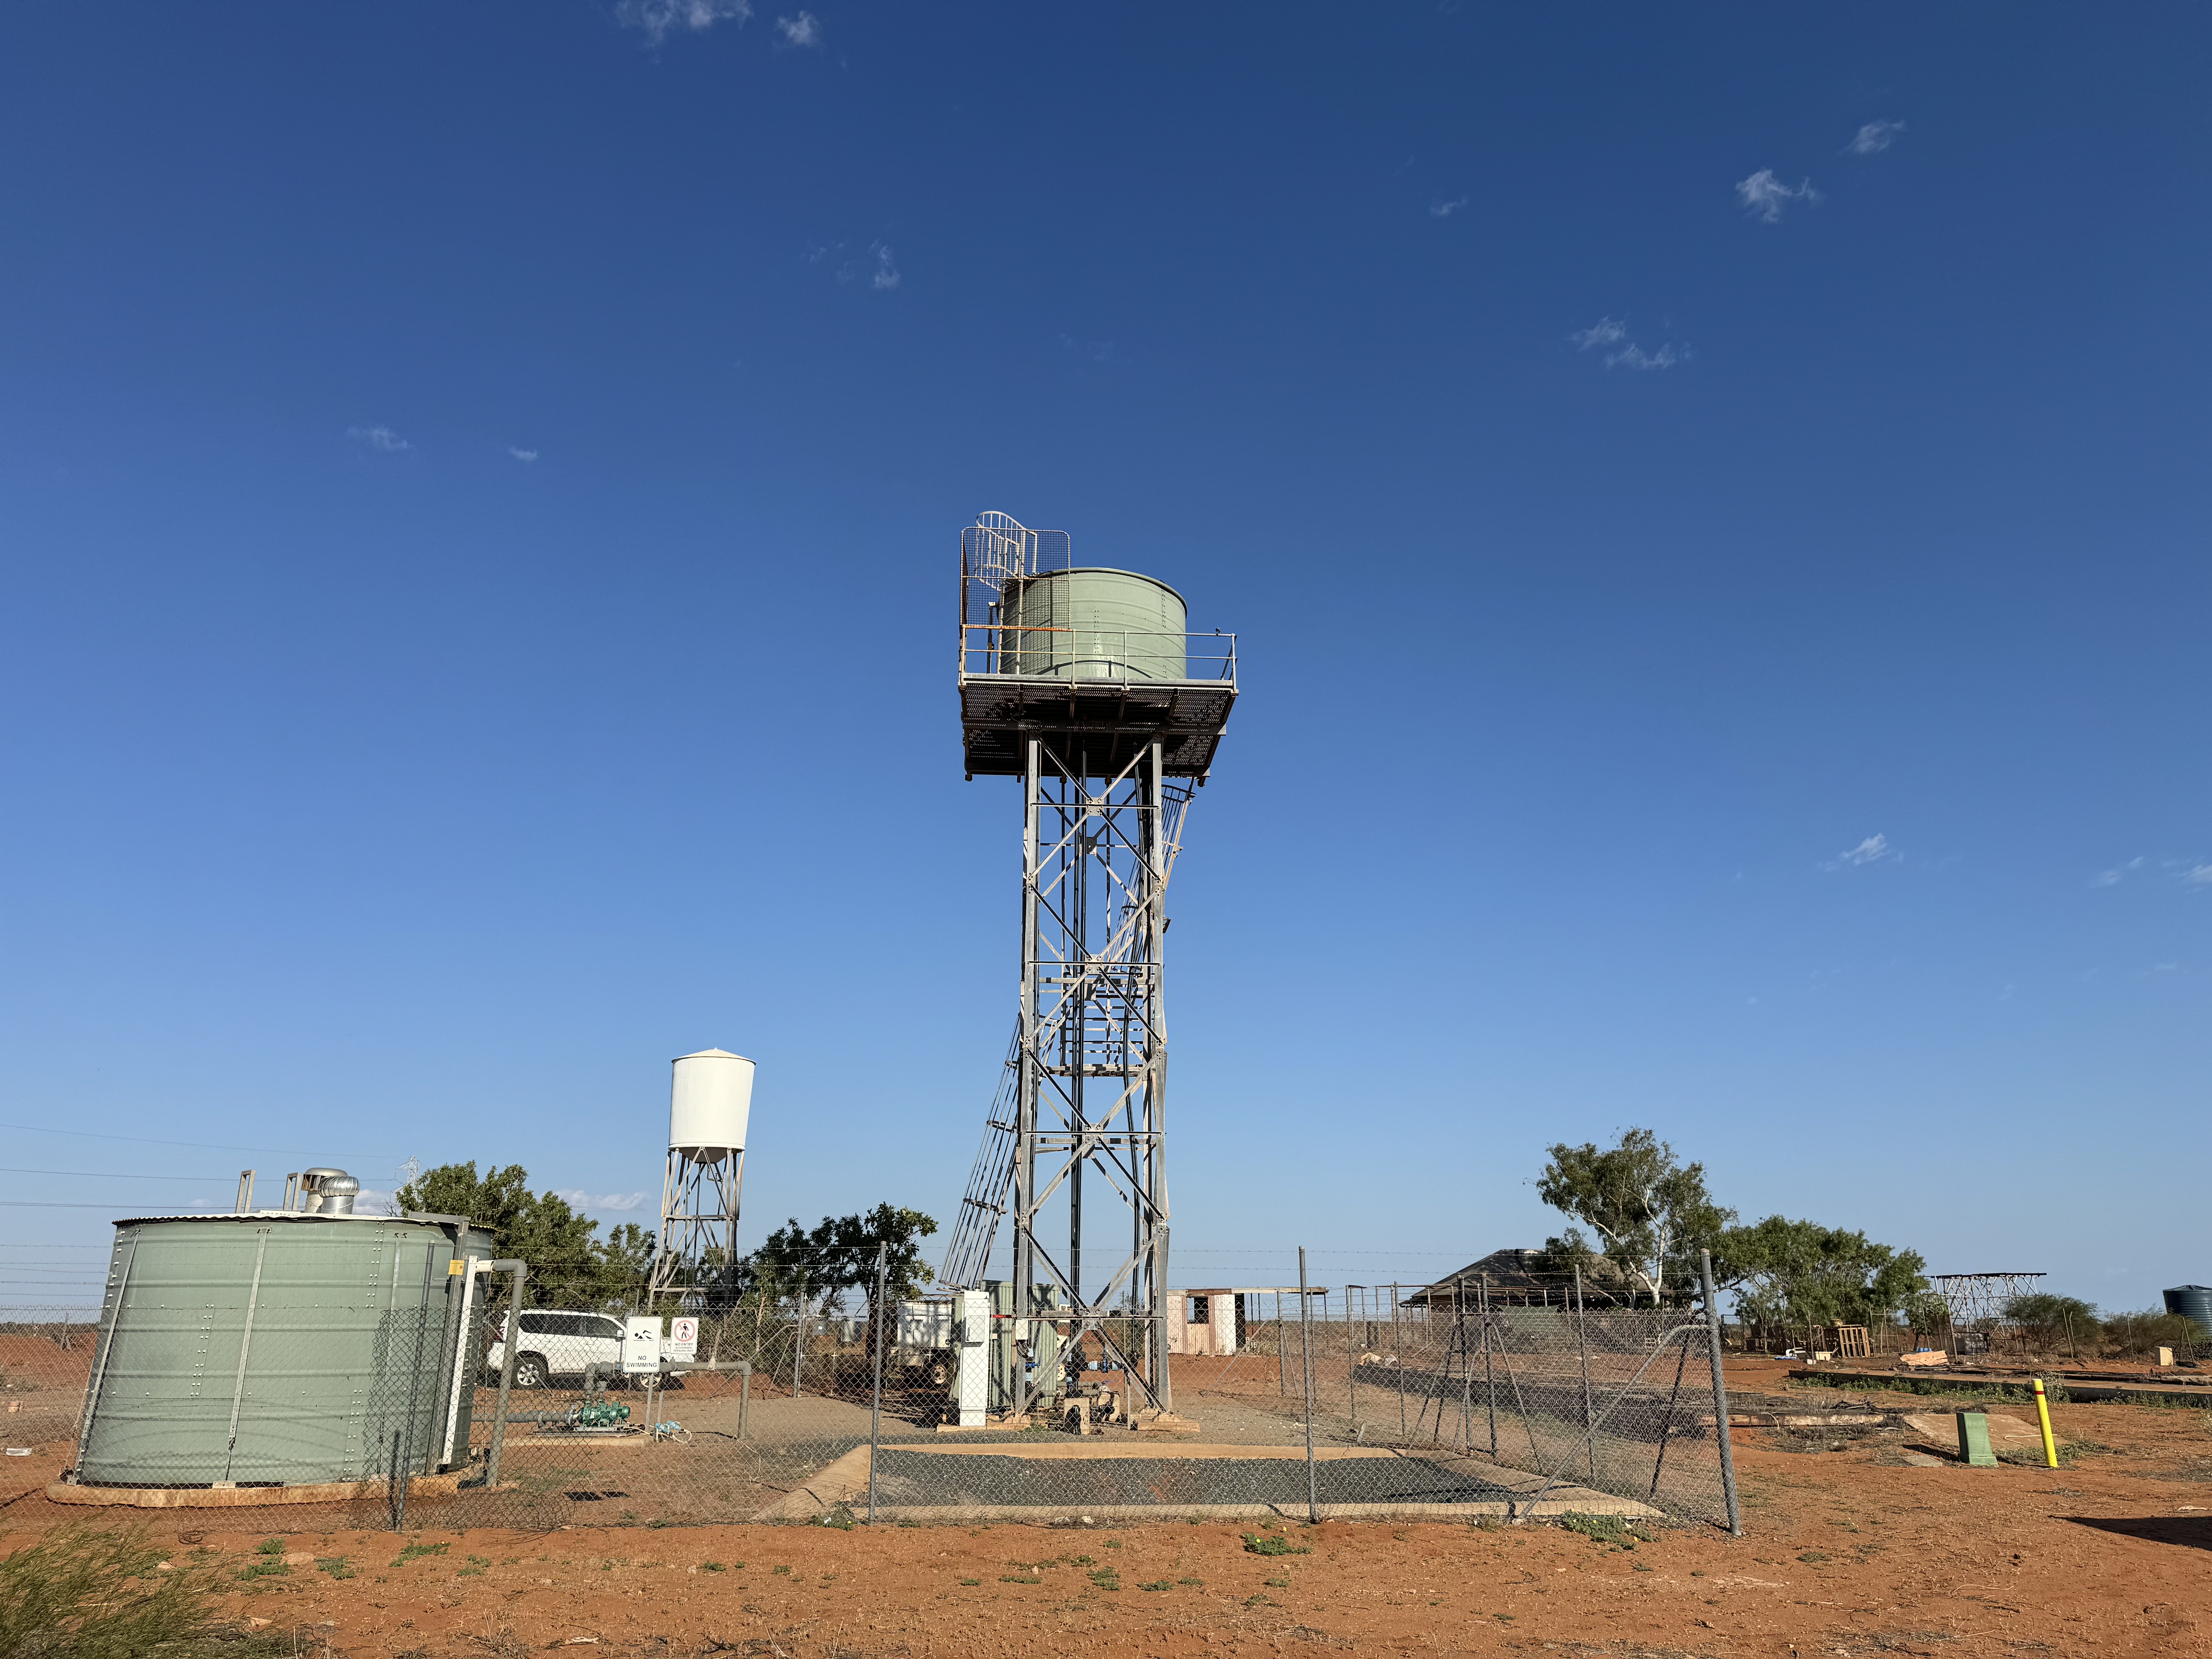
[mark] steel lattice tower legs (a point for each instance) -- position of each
(698, 1247)
(1090, 1050)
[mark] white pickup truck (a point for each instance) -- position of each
(559, 1343)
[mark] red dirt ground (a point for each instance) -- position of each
(1848, 1552)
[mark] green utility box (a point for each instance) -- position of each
(1974, 1440)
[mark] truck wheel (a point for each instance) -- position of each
(529, 1371)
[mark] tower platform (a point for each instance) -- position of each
(1110, 721)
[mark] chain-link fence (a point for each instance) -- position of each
(445, 1405)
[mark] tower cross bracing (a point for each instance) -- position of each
(1074, 1145)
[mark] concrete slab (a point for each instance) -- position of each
(1491, 1489)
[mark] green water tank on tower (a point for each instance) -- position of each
(279, 1347)
(1095, 624)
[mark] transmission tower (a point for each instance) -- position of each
(1085, 684)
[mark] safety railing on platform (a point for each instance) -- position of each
(1085, 654)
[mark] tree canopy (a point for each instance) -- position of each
(570, 1265)
(1651, 1212)
(840, 1254)
(1799, 1273)
(2051, 1319)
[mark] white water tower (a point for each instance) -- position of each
(710, 1101)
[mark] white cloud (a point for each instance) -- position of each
(522, 454)
(2114, 876)
(1875, 849)
(1874, 136)
(2198, 876)
(887, 271)
(1441, 210)
(803, 30)
(1099, 351)
(1763, 195)
(381, 439)
(584, 1200)
(661, 18)
(1613, 332)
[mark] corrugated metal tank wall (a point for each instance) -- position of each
(275, 1347)
(2192, 1302)
(1099, 625)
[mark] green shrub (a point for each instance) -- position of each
(1605, 1529)
(2052, 1322)
(2151, 1329)
(86, 1594)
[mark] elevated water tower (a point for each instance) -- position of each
(1084, 683)
(710, 1101)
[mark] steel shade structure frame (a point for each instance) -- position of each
(1109, 766)
(696, 1254)
(1974, 1298)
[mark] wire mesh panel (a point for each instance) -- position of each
(1359, 1403)
(47, 1356)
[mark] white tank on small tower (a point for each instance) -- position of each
(710, 1102)
(708, 1105)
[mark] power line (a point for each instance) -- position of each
(46, 1203)
(112, 1175)
(198, 1145)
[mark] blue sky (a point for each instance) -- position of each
(1713, 503)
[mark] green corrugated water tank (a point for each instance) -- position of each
(277, 1348)
(1096, 624)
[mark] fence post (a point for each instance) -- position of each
(1465, 1383)
(1582, 1345)
(1398, 1359)
(876, 1410)
(1720, 1394)
(797, 1336)
(1282, 1350)
(520, 1272)
(1489, 1377)
(1305, 1354)
(1351, 1367)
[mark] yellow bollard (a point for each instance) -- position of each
(2042, 1418)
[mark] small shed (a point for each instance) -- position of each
(1211, 1321)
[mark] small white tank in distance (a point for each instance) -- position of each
(708, 1104)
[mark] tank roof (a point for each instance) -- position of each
(1104, 570)
(276, 1215)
